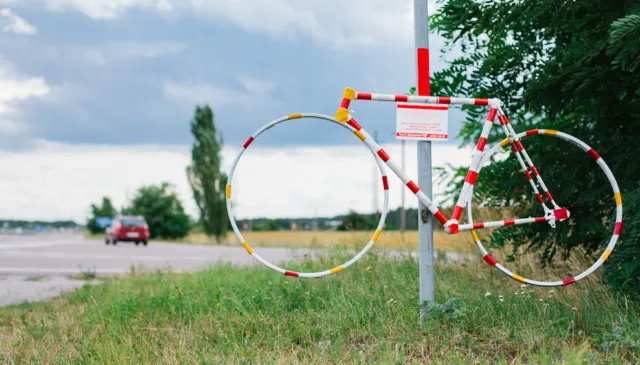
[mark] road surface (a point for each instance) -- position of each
(39, 267)
(73, 254)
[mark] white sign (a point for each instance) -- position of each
(422, 122)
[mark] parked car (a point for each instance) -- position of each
(129, 229)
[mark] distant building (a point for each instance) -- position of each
(293, 226)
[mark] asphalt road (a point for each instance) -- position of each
(35, 268)
(72, 254)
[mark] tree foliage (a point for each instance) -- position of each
(106, 209)
(163, 211)
(355, 221)
(573, 66)
(207, 181)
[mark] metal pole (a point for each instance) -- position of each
(425, 224)
(403, 214)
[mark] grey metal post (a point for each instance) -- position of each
(403, 213)
(425, 224)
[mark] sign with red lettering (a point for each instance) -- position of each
(422, 122)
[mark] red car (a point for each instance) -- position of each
(127, 228)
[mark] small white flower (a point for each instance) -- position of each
(487, 294)
(516, 293)
(501, 299)
(500, 296)
(575, 309)
(551, 291)
(523, 285)
(540, 300)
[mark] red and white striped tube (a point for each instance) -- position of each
(424, 99)
(410, 184)
(472, 173)
(514, 141)
(519, 149)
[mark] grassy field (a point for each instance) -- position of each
(320, 239)
(365, 314)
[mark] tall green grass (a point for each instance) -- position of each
(365, 314)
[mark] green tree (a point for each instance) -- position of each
(106, 209)
(567, 65)
(355, 221)
(163, 211)
(267, 225)
(207, 181)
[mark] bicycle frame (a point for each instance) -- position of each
(479, 157)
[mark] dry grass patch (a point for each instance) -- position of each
(320, 239)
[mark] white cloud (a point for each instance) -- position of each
(257, 86)
(125, 50)
(326, 181)
(14, 88)
(8, 126)
(99, 9)
(12, 23)
(190, 92)
(269, 182)
(164, 5)
(196, 93)
(335, 23)
(118, 51)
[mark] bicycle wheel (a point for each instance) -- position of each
(616, 199)
(362, 135)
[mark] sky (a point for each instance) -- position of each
(96, 97)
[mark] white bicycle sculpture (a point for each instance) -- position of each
(553, 211)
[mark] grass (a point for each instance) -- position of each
(86, 275)
(365, 314)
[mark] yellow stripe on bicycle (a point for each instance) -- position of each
(228, 191)
(376, 235)
(359, 134)
(618, 197)
(475, 235)
(517, 278)
(605, 255)
(337, 269)
(248, 248)
(505, 142)
(295, 116)
(550, 132)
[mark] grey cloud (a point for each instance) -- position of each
(165, 69)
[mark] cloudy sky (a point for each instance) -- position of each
(96, 98)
